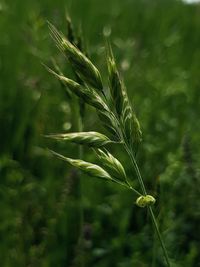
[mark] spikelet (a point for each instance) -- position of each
(122, 105)
(92, 98)
(58, 70)
(91, 139)
(144, 201)
(87, 167)
(77, 41)
(115, 83)
(83, 66)
(113, 164)
(130, 122)
(109, 122)
(89, 95)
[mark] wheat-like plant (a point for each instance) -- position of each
(117, 116)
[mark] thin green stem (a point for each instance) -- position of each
(78, 126)
(153, 264)
(80, 129)
(134, 190)
(159, 235)
(127, 185)
(132, 157)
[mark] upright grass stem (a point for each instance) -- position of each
(78, 125)
(159, 235)
(81, 241)
(154, 221)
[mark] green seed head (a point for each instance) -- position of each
(121, 102)
(89, 95)
(115, 84)
(80, 63)
(113, 164)
(92, 139)
(87, 167)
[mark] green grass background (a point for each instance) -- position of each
(156, 44)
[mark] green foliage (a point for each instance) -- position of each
(156, 44)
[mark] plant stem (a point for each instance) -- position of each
(127, 185)
(80, 129)
(153, 264)
(159, 235)
(132, 157)
(78, 126)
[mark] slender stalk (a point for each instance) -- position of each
(131, 188)
(81, 241)
(132, 157)
(153, 264)
(159, 235)
(127, 185)
(78, 126)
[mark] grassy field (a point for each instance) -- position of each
(45, 202)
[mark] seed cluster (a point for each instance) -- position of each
(117, 115)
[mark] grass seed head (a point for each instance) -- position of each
(131, 125)
(89, 95)
(83, 66)
(87, 167)
(122, 106)
(113, 164)
(109, 122)
(91, 139)
(115, 83)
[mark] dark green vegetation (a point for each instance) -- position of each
(156, 44)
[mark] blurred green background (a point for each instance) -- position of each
(156, 44)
